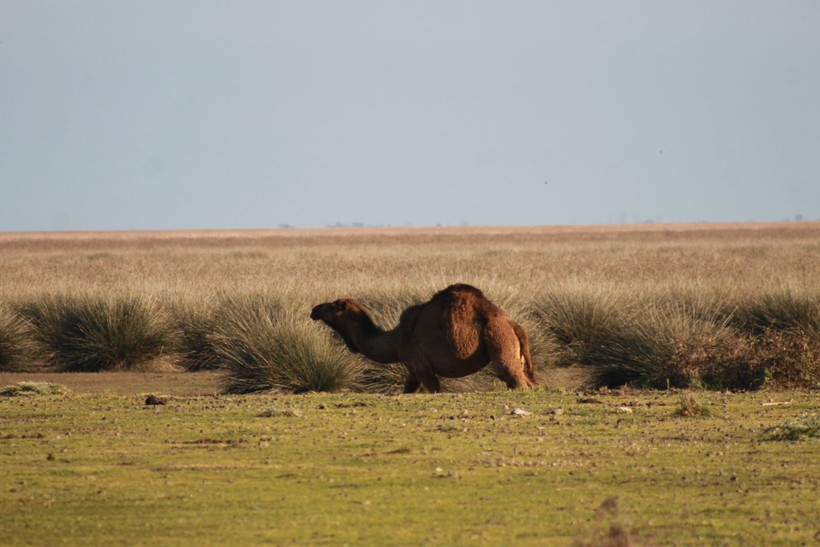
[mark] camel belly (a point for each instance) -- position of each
(451, 350)
(456, 368)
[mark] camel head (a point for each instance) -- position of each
(333, 312)
(341, 315)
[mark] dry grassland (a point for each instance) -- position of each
(716, 258)
(643, 271)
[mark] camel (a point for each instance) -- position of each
(457, 333)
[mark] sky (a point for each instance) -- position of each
(196, 114)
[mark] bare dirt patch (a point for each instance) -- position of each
(124, 383)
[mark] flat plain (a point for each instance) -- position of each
(96, 464)
(543, 467)
(307, 264)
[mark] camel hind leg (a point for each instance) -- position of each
(524, 354)
(507, 355)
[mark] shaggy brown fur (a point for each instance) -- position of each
(458, 332)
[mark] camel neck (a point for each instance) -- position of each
(374, 343)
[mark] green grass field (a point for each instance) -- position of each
(100, 466)
(731, 308)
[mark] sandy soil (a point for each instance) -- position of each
(204, 383)
(166, 383)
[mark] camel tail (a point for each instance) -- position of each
(529, 366)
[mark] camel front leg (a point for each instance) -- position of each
(420, 372)
(430, 381)
(412, 384)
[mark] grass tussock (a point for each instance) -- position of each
(661, 344)
(689, 406)
(264, 348)
(31, 389)
(97, 333)
(615, 535)
(384, 379)
(780, 311)
(16, 345)
(801, 427)
(602, 333)
(196, 323)
(607, 529)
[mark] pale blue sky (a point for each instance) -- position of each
(240, 114)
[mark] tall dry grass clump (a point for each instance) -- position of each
(16, 347)
(597, 330)
(92, 333)
(776, 311)
(197, 321)
(263, 347)
(781, 331)
(627, 338)
(690, 407)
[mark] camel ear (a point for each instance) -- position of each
(341, 305)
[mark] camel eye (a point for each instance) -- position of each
(340, 305)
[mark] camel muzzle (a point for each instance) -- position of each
(316, 314)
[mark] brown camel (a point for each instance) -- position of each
(458, 332)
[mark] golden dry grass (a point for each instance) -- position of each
(702, 269)
(732, 258)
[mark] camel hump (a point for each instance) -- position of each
(464, 304)
(460, 289)
(464, 297)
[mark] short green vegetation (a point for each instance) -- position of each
(25, 389)
(805, 426)
(545, 467)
